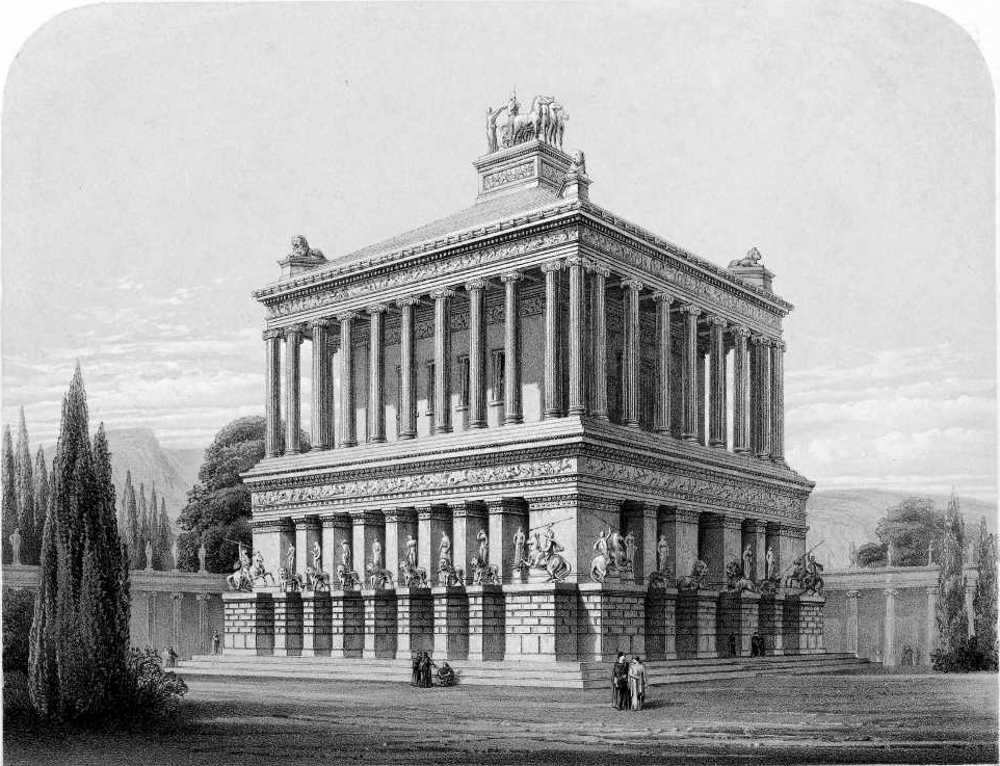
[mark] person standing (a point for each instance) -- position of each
(619, 683)
(637, 682)
(215, 642)
(415, 675)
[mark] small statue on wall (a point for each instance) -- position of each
(662, 554)
(519, 543)
(290, 558)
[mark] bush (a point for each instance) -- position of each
(149, 691)
(968, 657)
(18, 607)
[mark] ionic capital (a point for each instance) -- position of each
(759, 340)
(777, 344)
(690, 308)
(853, 594)
(294, 333)
(740, 332)
(632, 284)
(510, 276)
(662, 296)
(475, 284)
(574, 260)
(596, 268)
(551, 266)
(347, 316)
(377, 308)
(319, 324)
(716, 321)
(274, 333)
(410, 300)
(442, 292)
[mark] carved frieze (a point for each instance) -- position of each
(413, 275)
(507, 175)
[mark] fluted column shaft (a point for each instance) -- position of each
(599, 343)
(761, 395)
(630, 313)
(407, 378)
(442, 361)
(689, 373)
(663, 301)
(852, 621)
(741, 376)
(321, 385)
(889, 657)
(293, 377)
(348, 416)
(577, 387)
(376, 373)
(477, 353)
(272, 383)
(552, 376)
(512, 350)
(778, 401)
(717, 384)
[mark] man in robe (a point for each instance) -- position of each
(662, 552)
(519, 541)
(637, 682)
(619, 683)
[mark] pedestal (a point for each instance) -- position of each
(771, 621)
(248, 623)
(790, 624)
(380, 623)
(738, 621)
(811, 624)
(541, 621)
(661, 624)
(611, 619)
(414, 621)
(696, 624)
(347, 621)
(317, 623)
(451, 622)
(288, 624)
(487, 622)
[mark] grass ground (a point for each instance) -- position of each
(818, 719)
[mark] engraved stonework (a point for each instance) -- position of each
(507, 175)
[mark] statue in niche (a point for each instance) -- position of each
(482, 572)
(410, 575)
(411, 551)
(149, 555)
(769, 568)
(345, 554)
(519, 541)
(317, 556)
(748, 562)
(348, 577)
(930, 553)
(202, 555)
(616, 549)
(15, 545)
(377, 555)
(630, 550)
(447, 573)
(444, 551)
(662, 554)
(290, 559)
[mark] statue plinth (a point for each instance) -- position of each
(528, 165)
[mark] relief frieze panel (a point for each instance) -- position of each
(508, 175)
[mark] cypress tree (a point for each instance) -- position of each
(30, 545)
(164, 538)
(76, 647)
(985, 601)
(41, 498)
(8, 512)
(154, 529)
(144, 526)
(132, 541)
(952, 620)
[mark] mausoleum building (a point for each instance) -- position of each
(527, 421)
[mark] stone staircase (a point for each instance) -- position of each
(567, 675)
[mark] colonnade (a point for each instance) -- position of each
(576, 354)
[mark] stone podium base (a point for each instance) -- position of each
(696, 624)
(611, 619)
(487, 622)
(451, 622)
(380, 628)
(771, 624)
(248, 623)
(541, 621)
(661, 623)
(288, 624)
(738, 621)
(414, 621)
(347, 623)
(317, 622)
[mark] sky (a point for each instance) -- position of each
(158, 158)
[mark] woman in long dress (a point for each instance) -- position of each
(619, 683)
(637, 683)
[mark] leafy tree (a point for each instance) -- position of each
(218, 508)
(951, 618)
(41, 498)
(911, 527)
(871, 555)
(30, 546)
(79, 633)
(985, 600)
(9, 511)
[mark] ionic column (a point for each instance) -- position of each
(778, 401)
(717, 384)
(348, 416)
(506, 515)
(700, 378)
(970, 610)
(272, 378)
(930, 623)
(575, 331)
(741, 376)
(512, 350)
(760, 392)
(852, 621)
(176, 618)
(321, 385)
(376, 373)
(689, 372)
(293, 373)
(552, 374)
(663, 301)
(599, 343)
(442, 361)
(407, 378)
(630, 312)
(201, 645)
(477, 352)
(889, 648)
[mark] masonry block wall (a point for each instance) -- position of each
(249, 623)
(811, 625)
(611, 620)
(541, 621)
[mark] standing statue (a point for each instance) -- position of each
(484, 546)
(748, 562)
(890, 554)
(290, 559)
(149, 555)
(345, 554)
(630, 550)
(930, 553)
(491, 128)
(519, 540)
(317, 556)
(662, 552)
(173, 554)
(769, 572)
(483, 573)
(377, 555)
(616, 548)
(15, 545)
(202, 554)
(411, 551)
(444, 551)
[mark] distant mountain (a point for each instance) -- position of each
(172, 472)
(840, 517)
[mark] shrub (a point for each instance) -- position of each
(148, 691)
(969, 656)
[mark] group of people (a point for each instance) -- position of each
(423, 676)
(628, 683)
